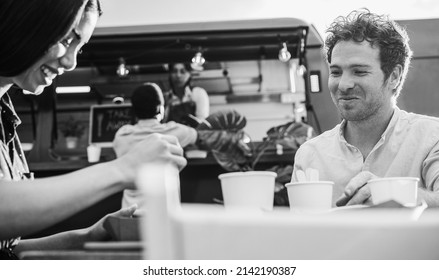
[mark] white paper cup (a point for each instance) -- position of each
(403, 190)
(310, 195)
(250, 189)
(93, 153)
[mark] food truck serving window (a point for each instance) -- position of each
(105, 120)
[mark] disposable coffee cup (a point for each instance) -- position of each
(403, 190)
(93, 153)
(310, 195)
(248, 190)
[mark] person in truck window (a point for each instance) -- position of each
(185, 104)
(40, 40)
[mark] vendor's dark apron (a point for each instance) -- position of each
(180, 113)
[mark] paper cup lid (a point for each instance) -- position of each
(247, 173)
(309, 183)
(393, 178)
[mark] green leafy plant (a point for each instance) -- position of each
(72, 128)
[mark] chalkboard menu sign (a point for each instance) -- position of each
(105, 120)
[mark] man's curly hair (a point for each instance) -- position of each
(362, 25)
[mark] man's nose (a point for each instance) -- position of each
(346, 82)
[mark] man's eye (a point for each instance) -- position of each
(335, 73)
(361, 72)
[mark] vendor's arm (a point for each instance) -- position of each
(29, 206)
(202, 103)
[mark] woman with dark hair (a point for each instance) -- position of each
(185, 104)
(40, 40)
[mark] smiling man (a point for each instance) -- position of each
(368, 57)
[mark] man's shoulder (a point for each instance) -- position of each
(419, 126)
(171, 124)
(175, 125)
(125, 129)
(419, 119)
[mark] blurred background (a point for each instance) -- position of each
(318, 12)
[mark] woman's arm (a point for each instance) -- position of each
(73, 239)
(29, 206)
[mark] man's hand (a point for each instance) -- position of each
(356, 191)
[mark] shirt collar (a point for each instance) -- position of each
(392, 123)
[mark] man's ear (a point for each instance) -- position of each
(395, 76)
(161, 113)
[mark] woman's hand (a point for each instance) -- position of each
(154, 148)
(97, 232)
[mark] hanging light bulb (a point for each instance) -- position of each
(284, 54)
(198, 60)
(301, 70)
(122, 71)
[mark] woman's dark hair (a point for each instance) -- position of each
(93, 5)
(146, 100)
(30, 27)
(362, 25)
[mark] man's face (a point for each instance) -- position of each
(356, 81)
(59, 58)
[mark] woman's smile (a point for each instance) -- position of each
(49, 73)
